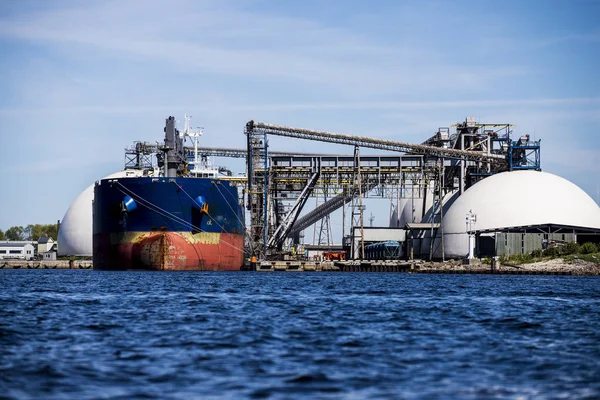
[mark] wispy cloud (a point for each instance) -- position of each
(371, 105)
(585, 37)
(230, 41)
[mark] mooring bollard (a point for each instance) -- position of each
(493, 264)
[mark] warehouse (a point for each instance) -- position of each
(17, 250)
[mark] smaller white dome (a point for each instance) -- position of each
(517, 199)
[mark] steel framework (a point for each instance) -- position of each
(278, 183)
(380, 144)
(273, 179)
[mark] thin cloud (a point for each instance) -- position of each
(377, 105)
(268, 48)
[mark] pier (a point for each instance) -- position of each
(43, 264)
(363, 266)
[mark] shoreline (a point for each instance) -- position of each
(557, 266)
(46, 264)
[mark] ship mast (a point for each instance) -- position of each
(187, 131)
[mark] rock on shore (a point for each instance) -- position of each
(557, 265)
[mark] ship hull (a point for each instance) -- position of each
(164, 251)
(167, 229)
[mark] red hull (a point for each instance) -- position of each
(169, 251)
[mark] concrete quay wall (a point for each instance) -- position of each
(41, 264)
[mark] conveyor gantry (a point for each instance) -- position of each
(147, 148)
(325, 209)
(257, 133)
(364, 141)
(283, 230)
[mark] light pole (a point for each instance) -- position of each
(471, 219)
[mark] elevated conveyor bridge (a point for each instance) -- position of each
(274, 180)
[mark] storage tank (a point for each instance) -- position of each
(516, 199)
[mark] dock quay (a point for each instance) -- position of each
(424, 267)
(296, 266)
(377, 266)
(46, 264)
(557, 267)
(337, 266)
(490, 272)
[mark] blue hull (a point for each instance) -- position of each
(167, 223)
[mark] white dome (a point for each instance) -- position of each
(413, 210)
(394, 219)
(405, 212)
(75, 234)
(515, 199)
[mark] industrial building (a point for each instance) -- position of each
(471, 189)
(21, 250)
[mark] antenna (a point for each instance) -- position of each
(187, 131)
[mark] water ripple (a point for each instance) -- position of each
(92, 335)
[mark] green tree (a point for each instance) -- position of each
(36, 231)
(30, 232)
(52, 231)
(588, 248)
(27, 232)
(569, 248)
(15, 233)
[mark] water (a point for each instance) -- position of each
(91, 334)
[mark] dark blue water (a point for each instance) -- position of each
(90, 334)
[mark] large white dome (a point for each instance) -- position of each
(517, 199)
(75, 234)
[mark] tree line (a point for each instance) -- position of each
(29, 232)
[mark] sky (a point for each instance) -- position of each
(82, 80)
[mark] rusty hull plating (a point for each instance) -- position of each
(176, 251)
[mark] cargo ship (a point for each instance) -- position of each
(177, 218)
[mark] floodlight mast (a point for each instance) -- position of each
(471, 219)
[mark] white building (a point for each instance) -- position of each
(17, 250)
(47, 248)
(45, 244)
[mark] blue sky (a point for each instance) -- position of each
(81, 80)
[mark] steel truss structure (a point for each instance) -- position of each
(275, 180)
(278, 183)
(139, 155)
(260, 128)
